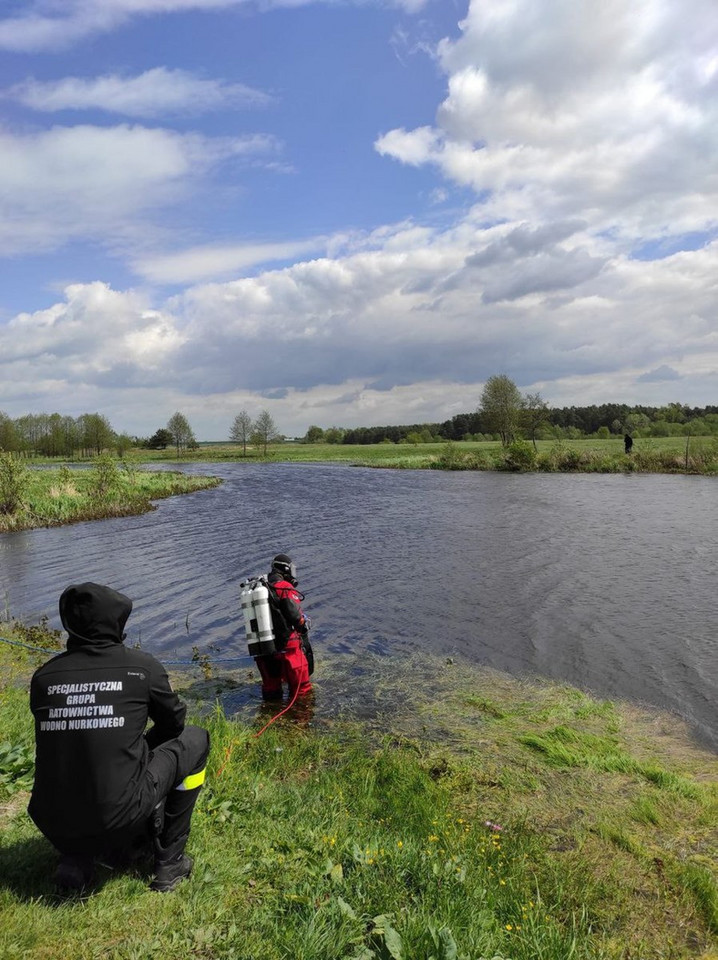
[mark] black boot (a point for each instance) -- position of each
(74, 872)
(172, 865)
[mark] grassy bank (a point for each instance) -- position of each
(652, 454)
(50, 497)
(470, 816)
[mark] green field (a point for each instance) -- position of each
(653, 454)
(472, 816)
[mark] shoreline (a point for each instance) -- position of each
(54, 498)
(598, 817)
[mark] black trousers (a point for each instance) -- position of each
(169, 764)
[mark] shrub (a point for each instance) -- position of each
(519, 455)
(452, 458)
(13, 483)
(105, 477)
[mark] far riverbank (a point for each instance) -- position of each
(692, 455)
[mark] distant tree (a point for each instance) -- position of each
(96, 433)
(264, 431)
(161, 439)
(181, 431)
(534, 414)
(333, 435)
(9, 437)
(635, 422)
(603, 432)
(501, 406)
(314, 435)
(241, 431)
(123, 442)
(673, 413)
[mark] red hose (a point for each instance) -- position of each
(230, 748)
(281, 712)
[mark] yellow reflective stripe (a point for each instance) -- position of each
(193, 781)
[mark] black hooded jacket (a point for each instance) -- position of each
(91, 706)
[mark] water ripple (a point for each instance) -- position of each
(605, 582)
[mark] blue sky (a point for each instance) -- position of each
(354, 212)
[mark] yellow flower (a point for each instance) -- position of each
(399, 844)
(509, 927)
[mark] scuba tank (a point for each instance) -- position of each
(254, 597)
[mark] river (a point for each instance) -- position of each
(606, 582)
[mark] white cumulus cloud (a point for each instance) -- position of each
(555, 109)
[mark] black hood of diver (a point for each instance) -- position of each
(94, 615)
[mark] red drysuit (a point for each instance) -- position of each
(290, 664)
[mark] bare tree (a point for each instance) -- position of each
(182, 434)
(264, 431)
(241, 431)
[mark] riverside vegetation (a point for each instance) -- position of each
(46, 497)
(694, 455)
(477, 817)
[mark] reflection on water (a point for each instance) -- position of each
(605, 582)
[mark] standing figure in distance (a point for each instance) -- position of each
(103, 785)
(628, 442)
(294, 661)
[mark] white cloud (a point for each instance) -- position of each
(401, 332)
(95, 182)
(586, 132)
(155, 93)
(36, 30)
(214, 261)
(606, 111)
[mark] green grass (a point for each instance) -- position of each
(471, 816)
(652, 454)
(53, 497)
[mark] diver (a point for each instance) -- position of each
(103, 786)
(293, 660)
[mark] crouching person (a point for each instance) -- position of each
(103, 784)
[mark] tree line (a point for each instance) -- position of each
(92, 434)
(504, 414)
(89, 435)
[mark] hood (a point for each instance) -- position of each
(93, 614)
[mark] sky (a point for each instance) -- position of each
(354, 212)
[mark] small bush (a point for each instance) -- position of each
(105, 477)
(13, 483)
(519, 455)
(453, 458)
